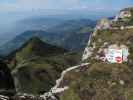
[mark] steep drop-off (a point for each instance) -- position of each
(101, 79)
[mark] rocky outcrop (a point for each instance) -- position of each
(104, 23)
(102, 79)
(124, 14)
(105, 27)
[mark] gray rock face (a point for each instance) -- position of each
(88, 50)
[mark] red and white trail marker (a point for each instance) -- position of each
(114, 56)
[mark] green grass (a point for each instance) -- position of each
(40, 73)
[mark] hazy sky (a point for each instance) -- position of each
(22, 5)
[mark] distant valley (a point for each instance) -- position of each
(15, 23)
(69, 34)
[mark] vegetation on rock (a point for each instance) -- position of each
(103, 80)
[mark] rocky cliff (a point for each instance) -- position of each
(110, 55)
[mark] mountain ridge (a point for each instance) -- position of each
(36, 59)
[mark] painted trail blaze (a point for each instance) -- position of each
(116, 55)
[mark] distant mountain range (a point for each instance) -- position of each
(71, 35)
(38, 23)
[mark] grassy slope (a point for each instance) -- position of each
(100, 82)
(39, 64)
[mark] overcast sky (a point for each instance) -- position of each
(94, 5)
